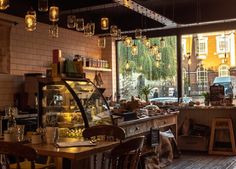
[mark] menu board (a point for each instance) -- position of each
(154, 137)
(216, 92)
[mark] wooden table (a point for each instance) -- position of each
(74, 154)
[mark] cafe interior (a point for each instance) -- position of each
(117, 84)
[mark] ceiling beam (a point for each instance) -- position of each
(146, 12)
(91, 8)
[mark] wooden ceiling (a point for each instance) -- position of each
(179, 11)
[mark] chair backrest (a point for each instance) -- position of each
(105, 130)
(18, 150)
(126, 155)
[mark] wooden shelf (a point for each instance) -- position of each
(97, 69)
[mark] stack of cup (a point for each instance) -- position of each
(50, 135)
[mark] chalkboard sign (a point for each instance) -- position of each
(216, 93)
(154, 137)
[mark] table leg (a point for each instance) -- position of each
(58, 162)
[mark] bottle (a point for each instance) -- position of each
(11, 119)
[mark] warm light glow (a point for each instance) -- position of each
(189, 61)
(162, 42)
(4, 4)
(30, 20)
(89, 29)
(158, 56)
(54, 14)
(157, 63)
(127, 66)
(147, 42)
(154, 49)
(128, 41)
(104, 23)
(134, 50)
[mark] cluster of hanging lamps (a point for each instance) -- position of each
(4, 4)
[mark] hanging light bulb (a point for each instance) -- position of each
(43, 5)
(141, 68)
(104, 23)
(4, 4)
(147, 42)
(113, 30)
(138, 33)
(154, 49)
(79, 24)
(53, 30)
(127, 66)
(128, 41)
(30, 20)
(134, 50)
(158, 56)
(157, 63)
(54, 13)
(71, 21)
(89, 29)
(102, 42)
(162, 42)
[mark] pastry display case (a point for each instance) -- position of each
(71, 104)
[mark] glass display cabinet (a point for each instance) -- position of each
(71, 104)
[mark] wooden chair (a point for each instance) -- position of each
(105, 132)
(127, 154)
(18, 151)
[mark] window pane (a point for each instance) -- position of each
(150, 74)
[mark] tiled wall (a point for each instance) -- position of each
(31, 52)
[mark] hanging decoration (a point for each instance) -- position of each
(128, 41)
(134, 50)
(79, 24)
(158, 56)
(30, 20)
(113, 30)
(138, 33)
(101, 42)
(157, 63)
(89, 29)
(53, 30)
(127, 66)
(71, 21)
(154, 49)
(147, 42)
(43, 5)
(54, 13)
(4, 4)
(162, 43)
(104, 23)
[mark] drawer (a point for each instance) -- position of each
(164, 121)
(135, 129)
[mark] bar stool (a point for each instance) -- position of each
(220, 123)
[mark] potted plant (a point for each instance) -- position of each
(146, 91)
(206, 98)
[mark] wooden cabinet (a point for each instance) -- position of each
(143, 125)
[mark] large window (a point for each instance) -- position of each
(201, 45)
(202, 78)
(223, 70)
(222, 44)
(150, 73)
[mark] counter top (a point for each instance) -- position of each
(207, 107)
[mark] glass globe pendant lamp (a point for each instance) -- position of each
(104, 23)
(79, 24)
(43, 5)
(54, 13)
(30, 20)
(71, 21)
(4, 4)
(134, 50)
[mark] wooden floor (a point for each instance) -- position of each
(203, 161)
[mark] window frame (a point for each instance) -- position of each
(223, 39)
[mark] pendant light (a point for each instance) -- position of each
(54, 13)
(104, 23)
(127, 66)
(4, 4)
(53, 30)
(147, 42)
(43, 5)
(79, 24)
(157, 63)
(128, 41)
(162, 42)
(134, 50)
(89, 29)
(101, 42)
(30, 20)
(138, 33)
(113, 30)
(158, 56)
(154, 49)
(71, 21)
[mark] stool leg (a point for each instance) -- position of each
(231, 133)
(212, 138)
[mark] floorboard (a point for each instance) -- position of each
(202, 161)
